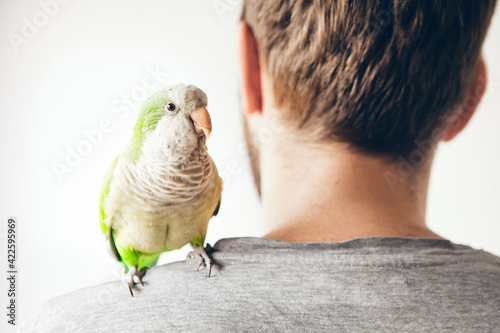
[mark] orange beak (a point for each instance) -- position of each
(202, 122)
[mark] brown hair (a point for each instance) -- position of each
(380, 75)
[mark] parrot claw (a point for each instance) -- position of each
(130, 286)
(204, 259)
(133, 277)
(138, 280)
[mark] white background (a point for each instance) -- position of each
(77, 69)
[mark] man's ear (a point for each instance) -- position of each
(474, 96)
(250, 70)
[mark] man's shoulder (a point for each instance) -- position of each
(109, 307)
(269, 285)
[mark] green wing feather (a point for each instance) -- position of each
(108, 177)
(112, 245)
(107, 229)
(216, 211)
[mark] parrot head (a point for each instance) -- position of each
(173, 121)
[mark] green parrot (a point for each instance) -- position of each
(162, 189)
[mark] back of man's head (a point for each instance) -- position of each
(379, 75)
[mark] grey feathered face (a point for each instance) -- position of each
(183, 99)
(188, 102)
(176, 119)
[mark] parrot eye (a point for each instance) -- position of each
(170, 107)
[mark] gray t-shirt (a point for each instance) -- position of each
(376, 284)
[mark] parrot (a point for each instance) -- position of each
(161, 191)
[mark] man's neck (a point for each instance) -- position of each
(330, 194)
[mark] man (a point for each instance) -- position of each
(358, 95)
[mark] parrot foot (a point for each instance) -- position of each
(133, 277)
(204, 259)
